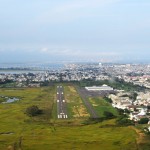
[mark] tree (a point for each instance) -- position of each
(133, 96)
(120, 111)
(127, 111)
(108, 115)
(33, 111)
(124, 122)
(143, 121)
(107, 99)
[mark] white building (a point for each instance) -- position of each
(99, 88)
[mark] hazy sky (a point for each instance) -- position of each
(74, 30)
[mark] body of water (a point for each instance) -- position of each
(11, 100)
(28, 68)
(20, 71)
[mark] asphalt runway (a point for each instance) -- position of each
(61, 104)
(86, 94)
(95, 93)
(90, 108)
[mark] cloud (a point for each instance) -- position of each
(77, 52)
(82, 55)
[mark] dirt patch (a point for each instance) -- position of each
(75, 111)
(80, 111)
(10, 148)
(141, 139)
(6, 133)
(93, 102)
(72, 89)
(83, 111)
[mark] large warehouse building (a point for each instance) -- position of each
(100, 88)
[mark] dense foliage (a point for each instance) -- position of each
(108, 99)
(33, 111)
(143, 121)
(124, 121)
(108, 115)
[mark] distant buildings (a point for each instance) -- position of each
(137, 108)
(136, 74)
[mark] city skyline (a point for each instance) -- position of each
(58, 31)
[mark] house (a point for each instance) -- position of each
(34, 85)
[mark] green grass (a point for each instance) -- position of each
(43, 136)
(75, 106)
(86, 137)
(100, 105)
(45, 132)
(2, 99)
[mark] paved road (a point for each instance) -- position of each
(88, 105)
(61, 104)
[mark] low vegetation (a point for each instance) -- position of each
(33, 111)
(43, 132)
(124, 121)
(76, 108)
(101, 105)
(108, 115)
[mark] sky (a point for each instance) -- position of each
(74, 31)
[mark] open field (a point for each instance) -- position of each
(100, 105)
(44, 132)
(12, 115)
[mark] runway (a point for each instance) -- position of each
(61, 103)
(90, 108)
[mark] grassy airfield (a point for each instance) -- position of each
(18, 131)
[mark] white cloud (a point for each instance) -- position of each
(75, 52)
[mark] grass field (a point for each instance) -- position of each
(18, 131)
(100, 105)
(13, 117)
(76, 108)
(86, 137)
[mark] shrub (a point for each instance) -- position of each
(143, 121)
(33, 111)
(124, 121)
(108, 99)
(108, 115)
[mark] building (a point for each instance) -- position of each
(99, 88)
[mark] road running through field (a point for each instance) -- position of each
(61, 103)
